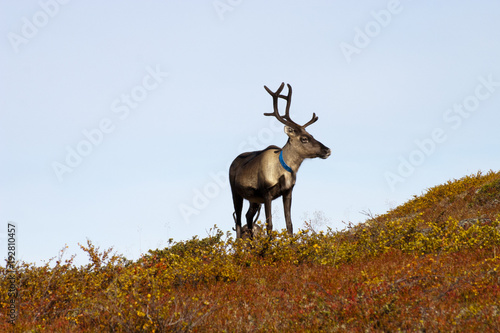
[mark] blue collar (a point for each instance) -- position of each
(283, 164)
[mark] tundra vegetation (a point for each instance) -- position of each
(431, 264)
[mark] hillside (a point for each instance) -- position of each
(431, 264)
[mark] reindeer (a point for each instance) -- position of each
(262, 176)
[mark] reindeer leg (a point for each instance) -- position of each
(238, 206)
(287, 204)
(269, 219)
(254, 208)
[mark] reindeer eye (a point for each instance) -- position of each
(304, 139)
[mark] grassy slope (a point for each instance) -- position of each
(428, 265)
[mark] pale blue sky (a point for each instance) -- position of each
(407, 94)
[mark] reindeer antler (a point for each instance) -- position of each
(286, 118)
(312, 121)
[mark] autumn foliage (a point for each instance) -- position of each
(432, 264)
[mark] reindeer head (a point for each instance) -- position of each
(303, 143)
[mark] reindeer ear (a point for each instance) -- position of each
(290, 131)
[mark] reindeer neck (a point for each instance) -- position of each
(291, 158)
